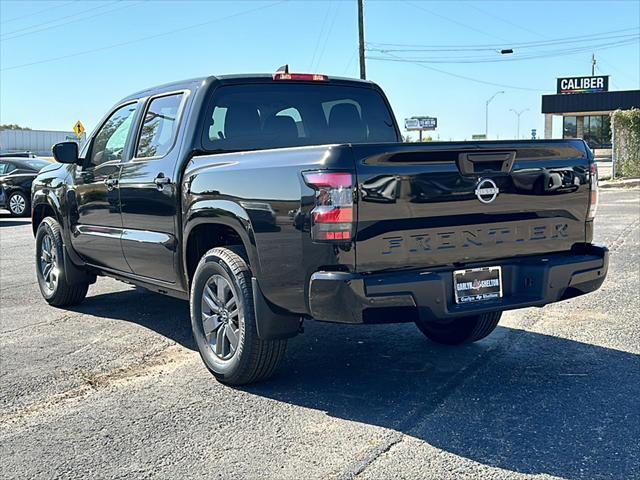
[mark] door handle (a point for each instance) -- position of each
(111, 183)
(161, 181)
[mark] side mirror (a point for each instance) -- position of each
(65, 152)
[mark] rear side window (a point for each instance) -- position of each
(261, 116)
(8, 168)
(159, 127)
(37, 164)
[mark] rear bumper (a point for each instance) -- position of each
(527, 282)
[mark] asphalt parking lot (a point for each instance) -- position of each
(114, 388)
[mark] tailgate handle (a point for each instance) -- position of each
(471, 163)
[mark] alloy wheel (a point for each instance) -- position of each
(49, 264)
(17, 204)
(220, 317)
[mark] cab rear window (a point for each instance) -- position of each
(262, 116)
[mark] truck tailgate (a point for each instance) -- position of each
(427, 205)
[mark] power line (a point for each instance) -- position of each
(122, 6)
(514, 58)
(493, 46)
(351, 59)
(19, 17)
(463, 77)
(315, 50)
(327, 36)
(618, 71)
(129, 42)
(4, 34)
(504, 20)
(581, 42)
(457, 22)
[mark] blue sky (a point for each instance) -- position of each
(64, 61)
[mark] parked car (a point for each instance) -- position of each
(16, 176)
(266, 200)
(18, 155)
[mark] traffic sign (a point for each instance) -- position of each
(79, 128)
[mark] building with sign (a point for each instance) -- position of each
(35, 141)
(585, 105)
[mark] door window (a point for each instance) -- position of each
(159, 127)
(109, 142)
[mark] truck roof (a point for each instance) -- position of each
(227, 79)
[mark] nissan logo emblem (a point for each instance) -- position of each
(486, 190)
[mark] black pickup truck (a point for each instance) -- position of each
(269, 199)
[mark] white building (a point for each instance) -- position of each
(36, 141)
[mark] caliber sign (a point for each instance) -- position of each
(583, 84)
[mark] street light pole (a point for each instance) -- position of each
(486, 113)
(518, 115)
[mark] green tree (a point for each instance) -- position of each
(12, 126)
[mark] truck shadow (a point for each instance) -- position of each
(521, 401)
(165, 315)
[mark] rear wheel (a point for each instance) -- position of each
(19, 204)
(52, 278)
(461, 330)
(224, 324)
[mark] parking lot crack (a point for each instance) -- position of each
(156, 363)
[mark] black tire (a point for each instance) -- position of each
(59, 293)
(461, 330)
(19, 204)
(252, 359)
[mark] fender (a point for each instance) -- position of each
(220, 212)
(72, 262)
(271, 322)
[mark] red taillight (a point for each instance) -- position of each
(332, 215)
(307, 77)
(593, 201)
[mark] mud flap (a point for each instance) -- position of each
(272, 325)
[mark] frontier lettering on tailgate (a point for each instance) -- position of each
(473, 238)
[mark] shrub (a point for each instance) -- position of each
(626, 147)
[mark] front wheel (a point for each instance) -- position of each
(19, 204)
(224, 324)
(52, 278)
(461, 330)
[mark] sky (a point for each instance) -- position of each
(63, 61)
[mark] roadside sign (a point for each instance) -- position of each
(79, 128)
(411, 124)
(420, 123)
(478, 136)
(534, 133)
(593, 84)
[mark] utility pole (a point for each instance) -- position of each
(518, 115)
(486, 114)
(593, 64)
(363, 68)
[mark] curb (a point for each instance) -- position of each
(624, 183)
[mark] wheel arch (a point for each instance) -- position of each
(216, 223)
(40, 209)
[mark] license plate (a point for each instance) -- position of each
(477, 284)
